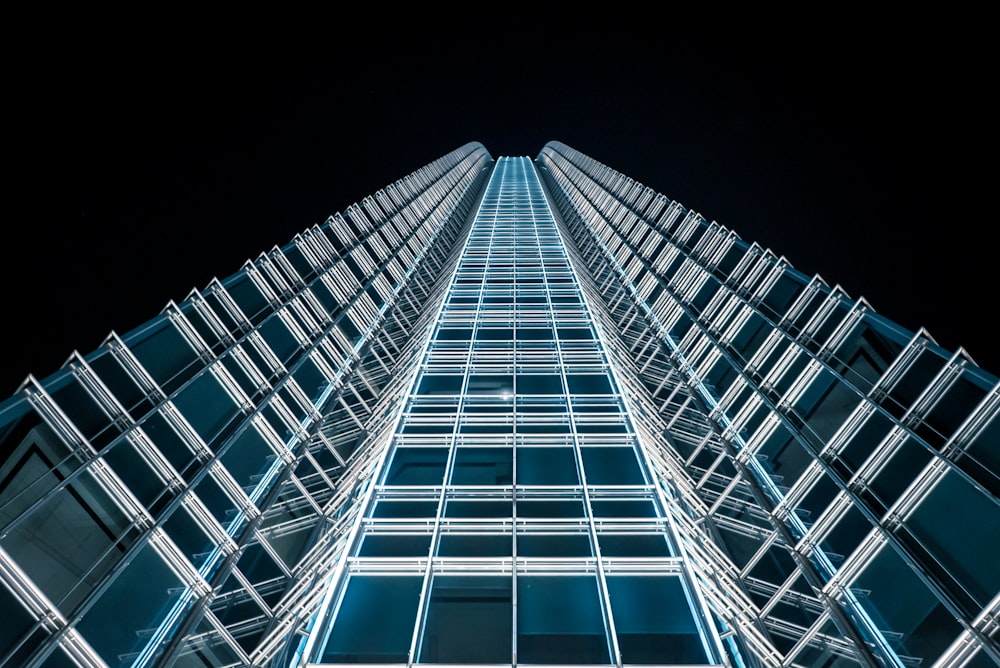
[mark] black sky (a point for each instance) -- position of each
(141, 167)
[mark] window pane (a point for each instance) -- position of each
(475, 545)
(559, 620)
(375, 620)
(546, 466)
(483, 466)
(960, 528)
(553, 545)
(71, 540)
(395, 545)
(654, 621)
(395, 509)
(469, 620)
(539, 383)
(611, 466)
(417, 466)
(924, 626)
(550, 508)
(633, 545)
(137, 600)
(624, 508)
(468, 508)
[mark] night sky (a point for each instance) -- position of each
(141, 167)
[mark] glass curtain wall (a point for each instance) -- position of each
(515, 411)
(514, 518)
(169, 498)
(847, 466)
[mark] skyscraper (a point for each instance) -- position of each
(506, 411)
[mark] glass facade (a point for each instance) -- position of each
(514, 518)
(506, 411)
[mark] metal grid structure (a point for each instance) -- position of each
(514, 519)
(506, 411)
(175, 497)
(846, 466)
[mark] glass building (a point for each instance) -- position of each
(506, 411)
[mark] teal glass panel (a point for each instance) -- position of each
(593, 383)
(486, 428)
(741, 547)
(601, 428)
(281, 341)
(395, 545)
(865, 355)
(207, 407)
(553, 545)
(611, 466)
(481, 383)
(898, 473)
(417, 466)
(140, 597)
(535, 334)
(847, 533)
(538, 383)
(310, 379)
(825, 405)
(288, 543)
(215, 498)
(120, 383)
(750, 337)
(190, 538)
(817, 499)
(442, 426)
(248, 457)
(237, 370)
(85, 413)
(654, 621)
(819, 655)
(782, 293)
(454, 334)
(469, 620)
(791, 373)
(164, 353)
(477, 508)
(69, 542)
(913, 382)
(16, 639)
(624, 508)
(784, 457)
(550, 508)
(483, 466)
(246, 294)
(440, 384)
(633, 545)
(404, 509)
(950, 410)
(136, 473)
(375, 621)
(166, 439)
(495, 334)
(560, 620)
(259, 567)
(475, 545)
(923, 626)
(574, 333)
(959, 527)
(546, 466)
(982, 458)
(864, 441)
(774, 566)
(58, 658)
